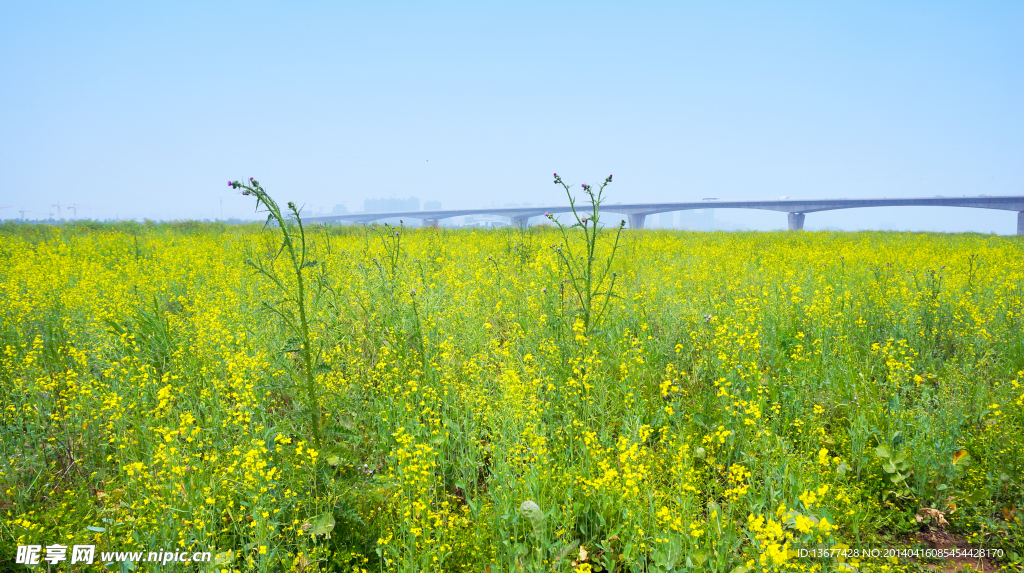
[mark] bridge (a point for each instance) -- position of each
(637, 213)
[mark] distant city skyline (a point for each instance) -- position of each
(145, 111)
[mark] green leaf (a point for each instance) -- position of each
(224, 558)
(978, 495)
(96, 529)
(897, 439)
(715, 509)
(322, 524)
(530, 510)
(882, 451)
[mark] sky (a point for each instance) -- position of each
(146, 110)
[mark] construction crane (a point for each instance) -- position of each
(76, 206)
(58, 210)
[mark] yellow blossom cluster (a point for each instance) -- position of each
(744, 396)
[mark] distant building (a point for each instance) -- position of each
(339, 210)
(432, 206)
(391, 205)
(697, 219)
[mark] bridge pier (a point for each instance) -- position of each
(520, 222)
(637, 212)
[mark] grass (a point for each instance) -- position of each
(745, 396)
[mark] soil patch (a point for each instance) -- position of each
(936, 539)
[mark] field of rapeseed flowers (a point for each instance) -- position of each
(744, 396)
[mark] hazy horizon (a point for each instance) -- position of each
(134, 112)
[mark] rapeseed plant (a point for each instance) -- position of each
(739, 397)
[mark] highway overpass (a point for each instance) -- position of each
(636, 213)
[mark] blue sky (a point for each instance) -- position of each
(146, 110)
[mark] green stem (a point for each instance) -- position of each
(298, 262)
(307, 349)
(584, 283)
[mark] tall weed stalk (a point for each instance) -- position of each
(292, 309)
(586, 281)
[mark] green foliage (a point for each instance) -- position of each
(578, 258)
(754, 391)
(292, 309)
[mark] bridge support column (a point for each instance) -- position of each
(637, 221)
(1020, 222)
(430, 222)
(796, 221)
(520, 222)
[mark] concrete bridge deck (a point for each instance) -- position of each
(637, 212)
